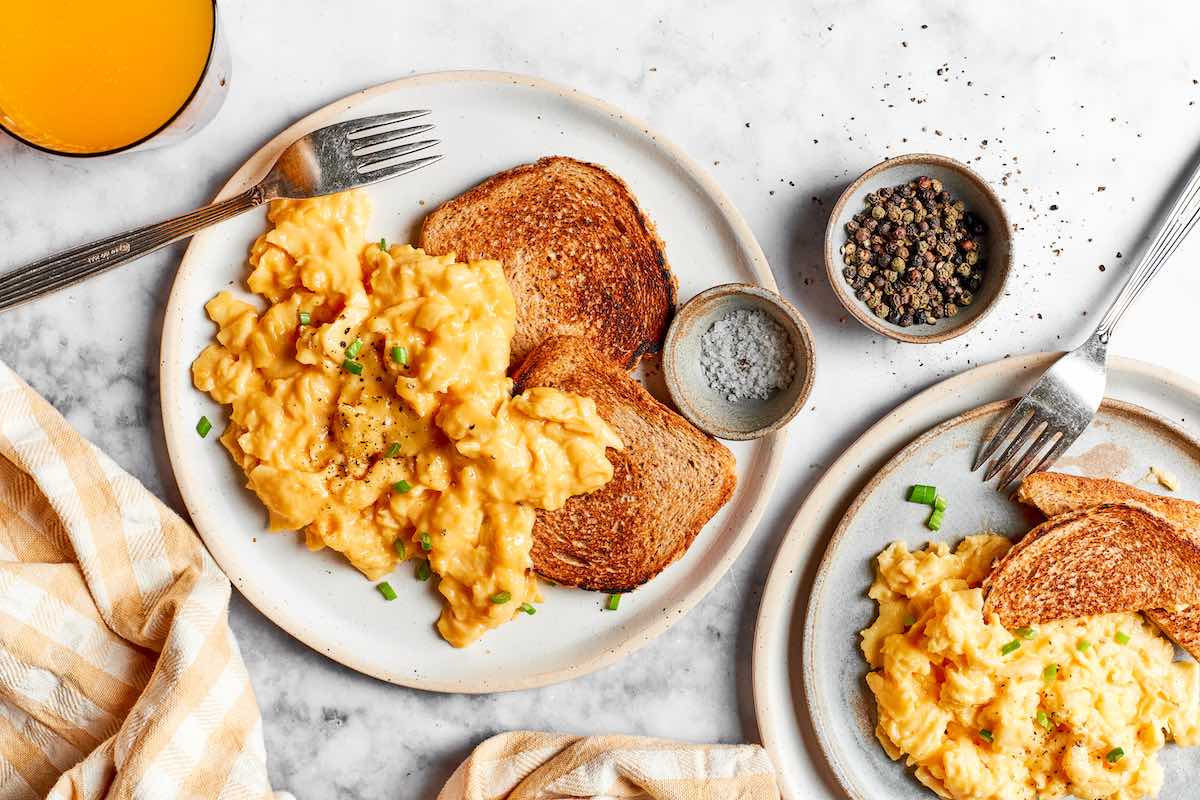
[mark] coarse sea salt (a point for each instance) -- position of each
(746, 355)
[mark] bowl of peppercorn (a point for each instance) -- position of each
(918, 248)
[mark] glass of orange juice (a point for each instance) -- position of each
(94, 77)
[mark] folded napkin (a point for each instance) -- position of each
(527, 765)
(119, 676)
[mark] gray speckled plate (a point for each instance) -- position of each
(1122, 443)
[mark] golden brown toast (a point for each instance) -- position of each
(580, 255)
(668, 481)
(1096, 560)
(1055, 493)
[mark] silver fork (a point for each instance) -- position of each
(329, 160)
(1062, 403)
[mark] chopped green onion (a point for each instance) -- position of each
(383, 244)
(922, 494)
(935, 520)
(909, 620)
(986, 735)
(1044, 720)
(401, 550)
(386, 590)
(939, 503)
(1115, 755)
(402, 487)
(305, 318)
(423, 571)
(1050, 673)
(614, 600)
(400, 355)
(1083, 645)
(353, 367)
(1011, 646)
(1122, 637)
(393, 451)
(500, 598)
(528, 609)
(203, 427)
(354, 349)
(426, 542)
(1026, 633)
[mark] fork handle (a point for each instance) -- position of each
(71, 266)
(1174, 229)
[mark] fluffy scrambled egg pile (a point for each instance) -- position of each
(370, 408)
(1073, 707)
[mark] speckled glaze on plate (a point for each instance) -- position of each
(488, 122)
(966, 185)
(809, 687)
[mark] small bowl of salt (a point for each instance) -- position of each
(738, 361)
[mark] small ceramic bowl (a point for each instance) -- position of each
(711, 411)
(963, 184)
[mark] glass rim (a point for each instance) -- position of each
(212, 46)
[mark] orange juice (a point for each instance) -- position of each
(89, 76)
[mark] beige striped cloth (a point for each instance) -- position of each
(528, 765)
(119, 676)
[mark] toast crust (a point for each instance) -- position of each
(581, 256)
(668, 481)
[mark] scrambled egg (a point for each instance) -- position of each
(371, 410)
(1073, 707)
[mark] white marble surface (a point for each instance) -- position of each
(1093, 111)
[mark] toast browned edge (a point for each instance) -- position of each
(623, 534)
(1113, 557)
(1057, 492)
(613, 320)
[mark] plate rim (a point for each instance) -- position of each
(777, 590)
(170, 359)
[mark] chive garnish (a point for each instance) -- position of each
(400, 355)
(1043, 719)
(383, 245)
(203, 427)
(402, 487)
(393, 451)
(923, 494)
(614, 600)
(1115, 755)
(305, 318)
(909, 620)
(401, 550)
(1026, 633)
(1122, 637)
(386, 590)
(985, 734)
(935, 520)
(354, 349)
(528, 609)
(426, 542)
(500, 598)
(353, 367)
(1083, 645)
(1011, 646)
(1050, 673)
(423, 570)
(939, 503)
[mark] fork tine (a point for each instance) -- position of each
(1059, 448)
(368, 123)
(1035, 450)
(371, 140)
(1017, 445)
(1015, 416)
(388, 157)
(383, 173)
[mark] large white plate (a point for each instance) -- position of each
(488, 122)
(814, 711)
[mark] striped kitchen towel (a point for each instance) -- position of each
(119, 676)
(528, 765)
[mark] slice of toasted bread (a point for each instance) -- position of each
(580, 255)
(1055, 493)
(668, 481)
(1097, 560)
